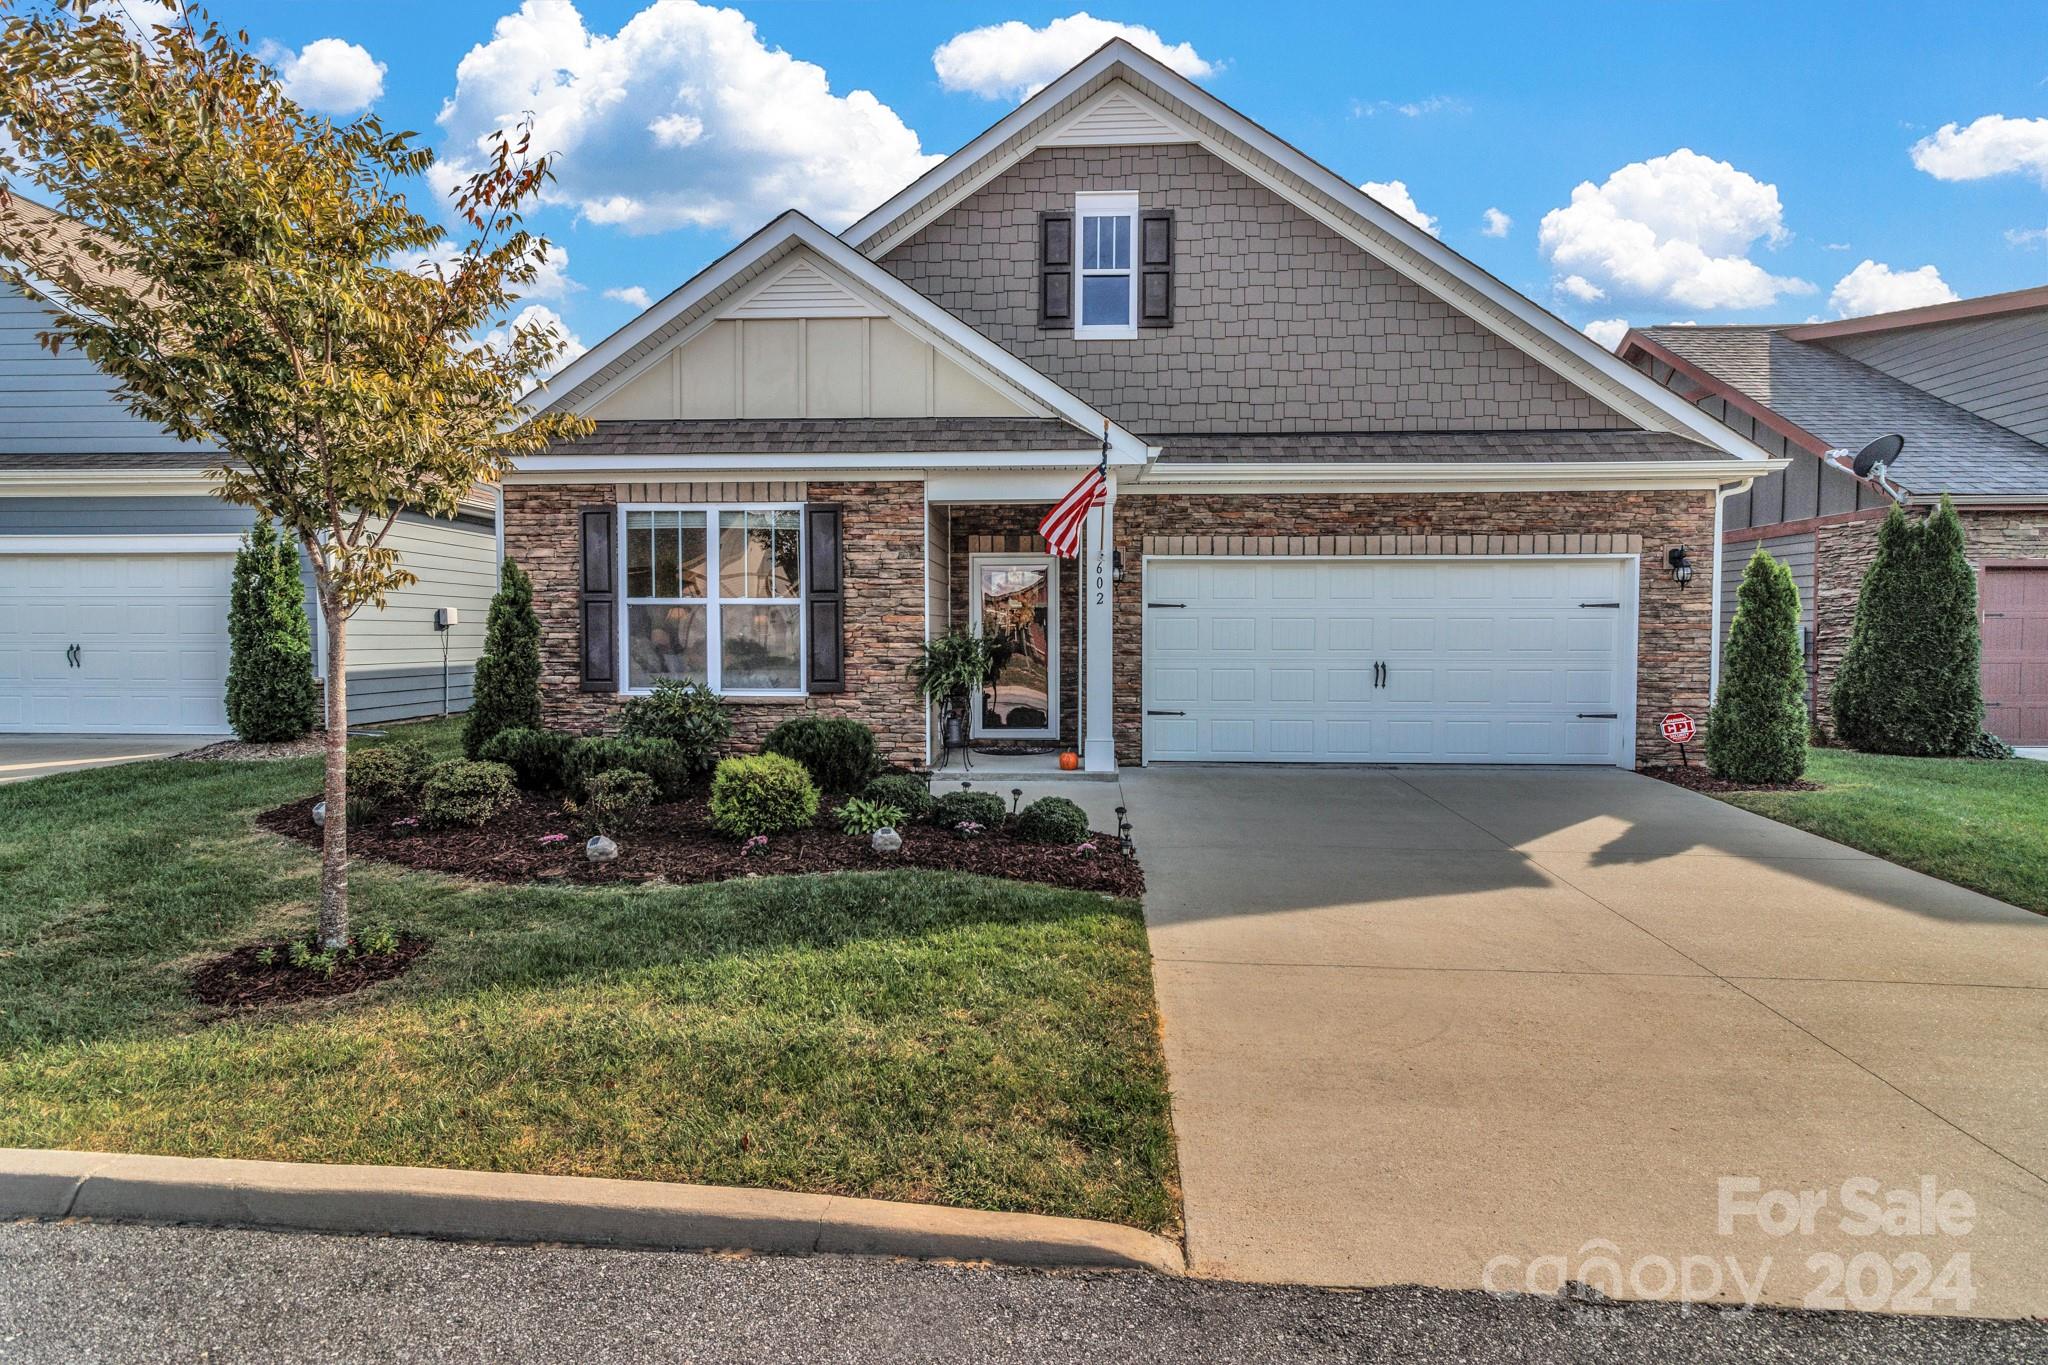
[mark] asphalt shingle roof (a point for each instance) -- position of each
(1430, 447)
(1847, 403)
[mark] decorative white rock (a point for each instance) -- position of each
(600, 849)
(886, 841)
(320, 815)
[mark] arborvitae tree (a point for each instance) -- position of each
(1757, 730)
(1908, 682)
(272, 694)
(506, 695)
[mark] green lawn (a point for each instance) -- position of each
(910, 1035)
(1977, 824)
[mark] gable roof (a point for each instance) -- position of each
(1118, 84)
(1824, 399)
(643, 340)
(1933, 314)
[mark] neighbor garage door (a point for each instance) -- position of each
(150, 632)
(2016, 654)
(1389, 660)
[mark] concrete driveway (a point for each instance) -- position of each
(1491, 1027)
(26, 756)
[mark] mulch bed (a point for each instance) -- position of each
(243, 980)
(675, 843)
(235, 751)
(1700, 780)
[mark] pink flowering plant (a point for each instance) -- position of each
(756, 844)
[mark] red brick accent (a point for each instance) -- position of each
(1674, 628)
(884, 575)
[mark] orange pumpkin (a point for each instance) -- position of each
(1069, 761)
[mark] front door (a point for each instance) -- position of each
(1014, 603)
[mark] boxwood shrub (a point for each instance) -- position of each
(387, 777)
(983, 808)
(613, 801)
(1052, 820)
(762, 794)
(688, 714)
(661, 759)
(838, 753)
(907, 792)
(539, 759)
(464, 791)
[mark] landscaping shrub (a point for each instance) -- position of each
(272, 693)
(1757, 730)
(1052, 820)
(463, 791)
(1908, 682)
(861, 818)
(387, 777)
(907, 792)
(1988, 745)
(506, 692)
(660, 759)
(983, 808)
(539, 759)
(762, 794)
(613, 801)
(688, 714)
(838, 753)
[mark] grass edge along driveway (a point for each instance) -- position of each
(906, 1035)
(1980, 824)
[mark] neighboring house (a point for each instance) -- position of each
(1966, 385)
(115, 558)
(1368, 504)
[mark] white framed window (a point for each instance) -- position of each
(713, 593)
(1106, 269)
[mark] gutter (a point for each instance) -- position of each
(1163, 475)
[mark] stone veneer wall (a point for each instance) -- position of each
(1013, 528)
(1280, 324)
(885, 606)
(1674, 628)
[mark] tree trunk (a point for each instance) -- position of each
(334, 841)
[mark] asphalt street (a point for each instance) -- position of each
(76, 1292)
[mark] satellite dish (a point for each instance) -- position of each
(1880, 452)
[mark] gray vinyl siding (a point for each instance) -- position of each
(394, 652)
(1797, 553)
(1994, 367)
(83, 516)
(60, 404)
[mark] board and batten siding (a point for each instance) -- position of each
(1994, 367)
(61, 404)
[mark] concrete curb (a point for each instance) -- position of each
(498, 1207)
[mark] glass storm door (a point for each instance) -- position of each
(1015, 605)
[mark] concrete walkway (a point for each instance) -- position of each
(1431, 1025)
(26, 756)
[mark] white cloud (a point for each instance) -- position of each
(1017, 60)
(633, 296)
(1836, 246)
(1873, 287)
(1497, 223)
(1676, 228)
(683, 118)
(1581, 288)
(1422, 108)
(1607, 331)
(329, 76)
(550, 281)
(1394, 195)
(2026, 236)
(142, 18)
(572, 345)
(1993, 145)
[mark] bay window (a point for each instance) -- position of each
(715, 595)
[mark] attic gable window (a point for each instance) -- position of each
(1105, 254)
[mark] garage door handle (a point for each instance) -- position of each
(1615, 605)
(71, 656)
(1599, 715)
(1165, 604)
(1166, 713)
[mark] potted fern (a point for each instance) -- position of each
(947, 671)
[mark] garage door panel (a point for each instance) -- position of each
(1385, 661)
(2015, 653)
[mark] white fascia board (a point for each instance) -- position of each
(1606, 369)
(120, 545)
(1615, 475)
(706, 464)
(104, 483)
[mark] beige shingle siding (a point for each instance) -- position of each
(1280, 323)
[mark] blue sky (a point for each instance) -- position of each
(681, 128)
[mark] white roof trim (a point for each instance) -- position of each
(694, 463)
(1251, 476)
(1417, 255)
(894, 297)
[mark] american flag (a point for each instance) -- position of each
(1062, 525)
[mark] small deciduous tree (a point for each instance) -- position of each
(255, 279)
(1909, 681)
(272, 694)
(1757, 729)
(506, 694)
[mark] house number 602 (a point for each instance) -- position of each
(1099, 598)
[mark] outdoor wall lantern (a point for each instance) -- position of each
(1680, 560)
(1116, 566)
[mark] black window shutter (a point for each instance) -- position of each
(1055, 270)
(1155, 268)
(600, 596)
(825, 600)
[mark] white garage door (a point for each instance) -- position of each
(151, 642)
(1389, 660)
